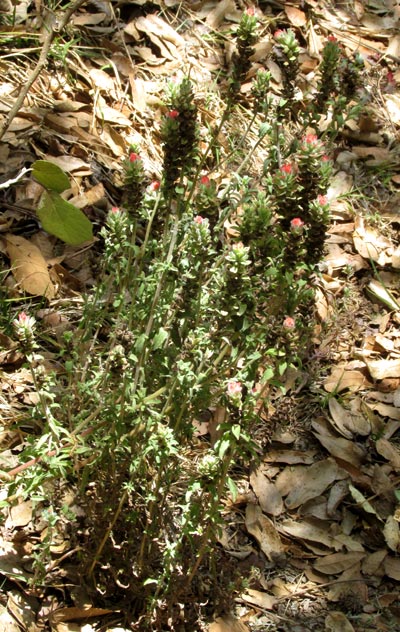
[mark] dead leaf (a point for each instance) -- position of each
(20, 515)
(370, 243)
(258, 598)
(295, 16)
(342, 378)
(29, 267)
(381, 369)
(347, 423)
(338, 562)
(76, 614)
(391, 531)
(311, 482)
(338, 447)
(267, 493)
(392, 567)
(337, 622)
(228, 623)
(389, 452)
(264, 531)
(373, 563)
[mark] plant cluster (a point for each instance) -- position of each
(188, 321)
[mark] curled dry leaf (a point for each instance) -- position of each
(347, 423)
(29, 267)
(337, 622)
(263, 530)
(338, 562)
(389, 452)
(267, 493)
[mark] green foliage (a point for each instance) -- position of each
(59, 217)
(187, 318)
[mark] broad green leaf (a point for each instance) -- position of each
(159, 338)
(50, 176)
(64, 220)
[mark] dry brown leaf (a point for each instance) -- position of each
(267, 493)
(370, 243)
(311, 482)
(29, 267)
(309, 529)
(295, 16)
(101, 80)
(338, 447)
(76, 614)
(350, 586)
(391, 531)
(20, 515)
(389, 452)
(264, 531)
(342, 379)
(162, 35)
(373, 563)
(381, 369)
(227, 623)
(392, 567)
(258, 598)
(337, 622)
(289, 456)
(347, 423)
(338, 562)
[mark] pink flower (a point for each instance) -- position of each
(22, 317)
(310, 139)
(250, 11)
(322, 200)
(155, 185)
(332, 38)
(234, 389)
(205, 180)
(199, 219)
(289, 323)
(173, 114)
(115, 209)
(279, 33)
(325, 158)
(286, 168)
(296, 223)
(133, 157)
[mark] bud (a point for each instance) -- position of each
(133, 157)
(289, 323)
(286, 168)
(250, 11)
(322, 200)
(199, 219)
(173, 114)
(115, 209)
(234, 390)
(205, 181)
(296, 225)
(155, 185)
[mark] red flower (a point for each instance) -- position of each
(205, 180)
(173, 114)
(325, 158)
(296, 223)
(332, 38)
(322, 200)
(289, 323)
(115, 209)
(310, 139)
(133, 157)
(286, 168)
(279, 33)
(155, 185)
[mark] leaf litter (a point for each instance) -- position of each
(325, 509)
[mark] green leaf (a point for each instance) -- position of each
(223, 446)
(236, 431)
(64, 220)
(50, 176)
(232, 488)
(159, 338)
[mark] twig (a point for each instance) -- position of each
(57, 25)
(5, 185)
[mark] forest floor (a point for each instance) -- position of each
(315, 529)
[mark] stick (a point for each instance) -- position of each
(56, 26)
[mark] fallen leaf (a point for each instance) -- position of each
(311, 482)
(392, 567)
(389, 452)
(264, 531)
(295, 16)
(337, 622)
(228, 623)
(29, 267)
(391, 531)
(381, 369)
(338, 447)
(267, 493)
(260, 599)
(347, 423)
(338, 562)
(342, 378)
